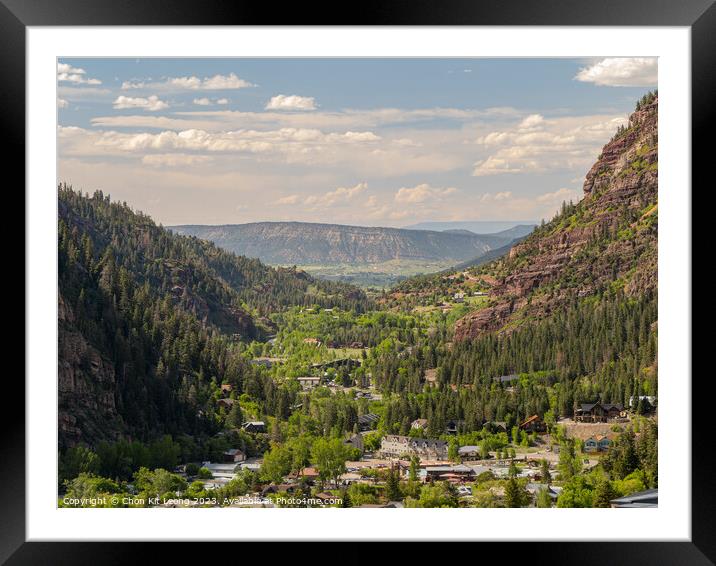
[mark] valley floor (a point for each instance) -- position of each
(381, 275)
(330, 361)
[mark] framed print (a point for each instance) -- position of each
(283, 276)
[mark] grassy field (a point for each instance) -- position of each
(476, 301)
(355, 353)
(472, 303)
(381, 275)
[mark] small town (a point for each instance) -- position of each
(470, 474)
(523, 465)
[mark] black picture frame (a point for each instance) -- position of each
(698, 15)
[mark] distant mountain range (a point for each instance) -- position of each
(302, 243)
(489, 256)
(474, 226)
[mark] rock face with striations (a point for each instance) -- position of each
(86, 384)
(607, 240)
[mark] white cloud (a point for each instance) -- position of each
(361, 136)
(389, 213)
(292, 144)
(217, 120)
(289, 199)
(84, 93)
(621, 71)
(128, 85)
(153, 122)
(62, 103)
(559, 196)
(422, 193)
(497, 197)
(406, 142)
(66, 68)
(217, 82)
(151, 103)
(305, 165)
(539, 145)
(339, 196)
(209, 102)
(497, 166)
(292, 102)
(533, 121)
(174, 159)
(353, 151)
(340, 199)
(70, 74)
(347, 193)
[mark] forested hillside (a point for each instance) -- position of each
(572, 308)
(149, 321)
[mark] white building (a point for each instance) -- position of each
(394, 446)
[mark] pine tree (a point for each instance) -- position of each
(392, 485)
(603, 493)
(544, 471)
(414, 467)
(235, 417)
(543, 499)
(515, 496)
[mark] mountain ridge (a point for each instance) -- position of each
(305, 243)
(475, 226)
(604, 244)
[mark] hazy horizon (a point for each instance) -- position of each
(508, 223)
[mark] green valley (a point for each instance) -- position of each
(196, 376)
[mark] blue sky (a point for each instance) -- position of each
(358, 141)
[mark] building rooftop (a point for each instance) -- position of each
(468, 449)
(368, 418)
(221, 470)
(529, 420)
(586, 407)
(648, 498)
(458, 468)
(506, 378)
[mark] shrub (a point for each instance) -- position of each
(204, 473)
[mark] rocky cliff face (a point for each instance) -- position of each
(606, 242)
(304, 243)
(86, 385)
(187, 294)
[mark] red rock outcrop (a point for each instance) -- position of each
(607, 239)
